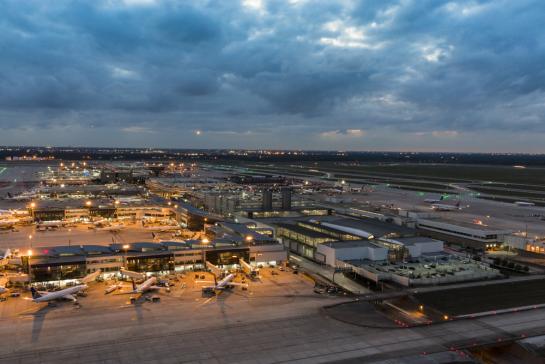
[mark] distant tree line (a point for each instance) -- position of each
(80, 153)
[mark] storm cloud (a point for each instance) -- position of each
(349, 75)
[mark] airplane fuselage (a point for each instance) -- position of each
(224, 283)
(147, 285)
(66, 293)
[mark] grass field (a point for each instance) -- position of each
(451, 172)
(504, 182)
(532, 195)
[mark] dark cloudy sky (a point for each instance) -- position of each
(339, 74)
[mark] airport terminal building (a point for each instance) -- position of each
(73, 262)
(477, 236)
(61, 263)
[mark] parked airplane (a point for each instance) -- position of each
(69, 293)
(445, 207)
(524, 204)
(225, 283)
(162, 229)
(113, 287)
(51, 223)
(25, 196)
(433, 200)
(8, 224)
(117, 227)
(149, 284)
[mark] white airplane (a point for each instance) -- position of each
(8, 224)
(225, 283)
(25, 196)
(433, 200)
(51, 223)
(69, 293)
(164, 228)
(113, 287)
(129, 199)
(524, 204)
(146, 286)
(445, 207)
(149, 284)
(116, 227)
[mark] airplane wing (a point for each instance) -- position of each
(238, 284)
(69, 297)
(125, 292)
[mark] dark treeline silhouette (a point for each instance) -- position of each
(81, 153)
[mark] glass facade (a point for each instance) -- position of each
(227, 257)
(158, 263)
(57, 271)
(48, 214)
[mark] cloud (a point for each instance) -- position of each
(348, 133)
(315, 70)
(445, 133)
(137, 130)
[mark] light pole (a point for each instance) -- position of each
(125, 249)
(32, 207)
(29, 255)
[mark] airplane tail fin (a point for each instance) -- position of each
(442, 197)
(35, 293)
(133, 285)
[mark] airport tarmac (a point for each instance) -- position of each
(28, 236)
(278, 320)
(499, 215)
